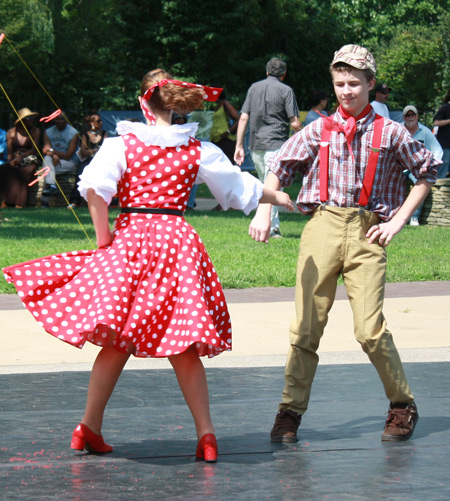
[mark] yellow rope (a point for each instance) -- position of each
(32, 140)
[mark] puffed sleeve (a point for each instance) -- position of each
(229, 185)
(105, 170)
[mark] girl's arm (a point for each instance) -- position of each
(99, 214)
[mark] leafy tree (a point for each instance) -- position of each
(93, 54)
(28, 28)
(413, 52)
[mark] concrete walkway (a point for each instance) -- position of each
(417, 315)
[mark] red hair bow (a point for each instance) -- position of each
(210, 93)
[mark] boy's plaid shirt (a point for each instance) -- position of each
(300, 154)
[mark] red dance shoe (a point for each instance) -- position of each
(207, 448)
(84, 438)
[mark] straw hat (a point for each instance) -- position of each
(25, 113)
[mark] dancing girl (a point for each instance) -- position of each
(150, 288)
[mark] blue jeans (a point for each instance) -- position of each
(413, 180)
(444, 168)
(191, 201)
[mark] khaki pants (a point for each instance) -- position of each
(334, 242)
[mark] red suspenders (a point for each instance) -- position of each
(369, 176)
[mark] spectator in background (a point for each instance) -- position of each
(270, 107)
(3, 147)
(60, 145)
(91, 142)
(381, 97)
(224, 126)
(319, 101)
(22, 160)
(179, 118)
(442, 120)
(423, 134)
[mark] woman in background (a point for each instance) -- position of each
(15, 175)
(91, 142)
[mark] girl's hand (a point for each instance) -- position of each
(105, 240)
(283, 200)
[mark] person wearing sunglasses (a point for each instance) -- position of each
(382, 92)
(423, 134)
(91, 141)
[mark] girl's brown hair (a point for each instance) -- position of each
(170, 96)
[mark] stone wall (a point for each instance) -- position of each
(436, 209)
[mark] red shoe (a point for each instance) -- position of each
(84, 438)
(207, 448)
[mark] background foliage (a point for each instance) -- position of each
(93, 54)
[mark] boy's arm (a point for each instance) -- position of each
(385, 232)
(259, 228)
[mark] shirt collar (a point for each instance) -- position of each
(174, 135)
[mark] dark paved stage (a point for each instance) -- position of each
(339, 456)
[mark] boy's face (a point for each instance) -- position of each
(352, 90)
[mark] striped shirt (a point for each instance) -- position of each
(270, 105)
(399, 151)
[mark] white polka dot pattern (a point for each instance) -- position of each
(154, 287)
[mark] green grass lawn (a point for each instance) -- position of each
(416, 254)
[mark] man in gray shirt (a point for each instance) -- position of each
(270, 107)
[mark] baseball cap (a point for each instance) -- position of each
(383, 88)
(410, 107)
(356, 56)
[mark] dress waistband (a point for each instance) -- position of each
(148, 210)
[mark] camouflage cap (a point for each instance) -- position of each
(356, 56)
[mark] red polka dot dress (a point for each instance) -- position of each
(154, 289)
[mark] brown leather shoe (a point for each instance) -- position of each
(400, 423)
(285, 427)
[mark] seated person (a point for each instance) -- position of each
(319, 101)
(91, 141)
(22, 160)
(60, 145)
(3, 147)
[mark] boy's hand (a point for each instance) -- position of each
(283, 200)
(384, 232)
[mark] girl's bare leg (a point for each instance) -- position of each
(192, 380)
(106, 371)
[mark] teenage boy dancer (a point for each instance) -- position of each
(353, 187)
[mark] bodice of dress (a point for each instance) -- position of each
(158, 177)
(21, 143)
(228, 184)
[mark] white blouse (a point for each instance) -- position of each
(229, 185)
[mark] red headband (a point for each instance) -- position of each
(210, 93)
